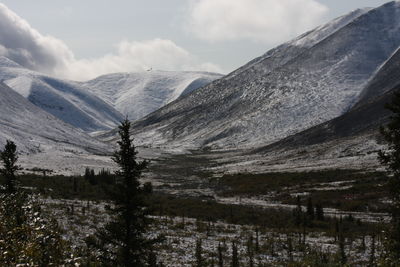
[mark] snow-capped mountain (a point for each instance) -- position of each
(350, 140)
(305, 82)
(69, 101)
(138, 94)
(50, 119)
(35, 130)
(100, 104)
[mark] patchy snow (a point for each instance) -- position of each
(79, 219)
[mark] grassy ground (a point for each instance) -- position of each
(207, 209)
(342, 189)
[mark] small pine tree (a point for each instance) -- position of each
(319, 212)
(235, 256)
(9, 158)
(257, 248)
(310, 209)
(342, 249)
(75, 185)
(372, 252)
(298, 212)
(199, 253)
(250, 252)
(220, 256)
(122, 242)
(289, 247)
(152, 259)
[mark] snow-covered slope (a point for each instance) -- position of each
(351, 140)
(386, 78)
(305, 82)
(34, 130)
(69, 101)
(138, 94)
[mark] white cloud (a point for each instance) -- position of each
(268, 21)
(136, 56)
(26, 46)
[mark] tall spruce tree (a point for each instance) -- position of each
(391, 159)
(9, 158)
(123, 241)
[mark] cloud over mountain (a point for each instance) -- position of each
(29, 48)
(268, 21)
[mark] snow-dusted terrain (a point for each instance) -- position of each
(37, 132)
(69, 101)
(312, 79)
(49, 119)
(323, 89)
(100, 104)
(138, 94)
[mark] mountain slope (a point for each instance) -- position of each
(386, 78)
(138, 94)
(365, 117)
(355, 133)
(35, 130)
(298, 85)
(69, 101)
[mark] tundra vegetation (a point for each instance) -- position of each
(332, 218)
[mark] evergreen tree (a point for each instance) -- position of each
(257, 248)
(122, 242)
(250, 252)
(28, 237)
(372, 252)
(319, 212)
(310, 208)
(199, 254)
(152, 259)
(220, 256)
(342, 249)
(391, 159)
(298, 212)
(235, 256)
(9, 158)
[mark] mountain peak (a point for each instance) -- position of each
(6, 62)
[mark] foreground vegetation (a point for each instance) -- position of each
(287, 229)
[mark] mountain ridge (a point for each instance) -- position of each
(258, 106)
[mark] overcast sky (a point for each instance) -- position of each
(82, 39)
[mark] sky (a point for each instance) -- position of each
(80, 40)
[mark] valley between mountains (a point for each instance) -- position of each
(298, 122)
(313, 103)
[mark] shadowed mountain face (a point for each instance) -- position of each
(386, 78)
(69, 101)
(303, 83)
(365, 117)
(34, 130)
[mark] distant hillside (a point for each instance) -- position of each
(139, 94)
